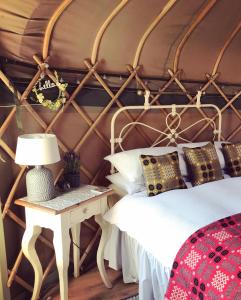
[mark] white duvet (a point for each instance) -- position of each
(162, 223)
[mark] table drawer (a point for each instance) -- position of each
(85, 211)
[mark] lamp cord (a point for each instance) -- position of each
(74, 244)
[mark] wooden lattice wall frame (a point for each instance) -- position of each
(92, 127)
(134, 75)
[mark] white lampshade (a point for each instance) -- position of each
(37, 149)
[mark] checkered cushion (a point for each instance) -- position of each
(162, 173)
(203, 164)
(232, 156)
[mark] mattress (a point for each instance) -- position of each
(159, 225)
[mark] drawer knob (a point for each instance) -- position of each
(85, 210)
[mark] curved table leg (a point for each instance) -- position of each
(28, 245)
(75, 230)
(61, 245)
(100, 252)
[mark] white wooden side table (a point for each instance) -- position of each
(60, 214)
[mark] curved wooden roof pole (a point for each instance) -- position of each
(164, 11)
(102, 29)
(52, 21)
(195, 23)
(225, 46)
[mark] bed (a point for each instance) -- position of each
(142, 249)
(147, 232)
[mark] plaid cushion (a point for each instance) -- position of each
(162, 173)
(203, 164)
(232, 156)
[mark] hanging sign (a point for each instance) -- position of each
(49, 93)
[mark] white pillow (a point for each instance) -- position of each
(182, 163)
(121, 193)
(225, 176)
(188, 184)
(128, 162)
(122, 183)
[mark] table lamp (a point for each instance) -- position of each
(37, 150)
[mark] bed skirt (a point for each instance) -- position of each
(124, 252)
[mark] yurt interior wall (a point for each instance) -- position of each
(110, 53)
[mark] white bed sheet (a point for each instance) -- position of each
(159, 225)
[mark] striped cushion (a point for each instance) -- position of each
(203, 164)
(232, 156)
(162, 173)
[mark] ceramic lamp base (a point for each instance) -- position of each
(40, 184)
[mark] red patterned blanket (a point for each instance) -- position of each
(208, 265)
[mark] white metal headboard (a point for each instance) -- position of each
(171, 133)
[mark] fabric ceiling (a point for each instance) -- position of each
(198, 37)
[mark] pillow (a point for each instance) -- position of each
(186, 179)
(182, 163)
(125, 185)
(162, 173)
(218, 147)
(118, 191)
(188, 184)
(129, 165)
(232, 156)
(203, 164)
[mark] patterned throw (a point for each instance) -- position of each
(208, 265)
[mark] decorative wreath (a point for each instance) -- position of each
(47, 84)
